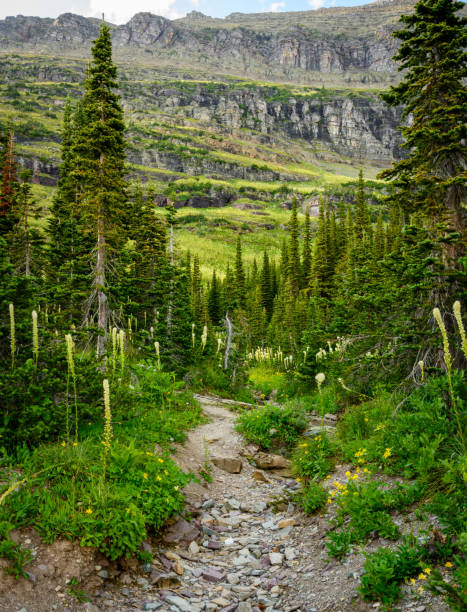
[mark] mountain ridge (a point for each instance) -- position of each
(274, 45)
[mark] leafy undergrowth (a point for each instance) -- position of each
(109, 497)
(403, 453)
(272, 426)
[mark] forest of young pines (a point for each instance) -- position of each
(342, 353)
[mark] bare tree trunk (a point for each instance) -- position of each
(228, 344)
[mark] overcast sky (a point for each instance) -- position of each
(120, 11)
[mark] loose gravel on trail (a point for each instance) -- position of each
(247, 548)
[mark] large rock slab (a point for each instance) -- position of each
(270, 462)
(232, 465)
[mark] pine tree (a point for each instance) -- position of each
(284, 263)
(214, 301)
(196, 289)
(433, 57)
(228, 290)
(240, 289)
(99, 152)
(150, 236)
(266, 287)
(8, 184)
(378, 244)
(362, 215)
(69, 246)
(24, 240)
(294, 257)
(321, 273)
(306, 259)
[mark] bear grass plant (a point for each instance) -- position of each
(107, 491)
(71, 499)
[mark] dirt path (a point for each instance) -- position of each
(243, 551)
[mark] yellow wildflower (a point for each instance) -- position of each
(422, 576)
(329, 501)
(448, 564)
(175, 488)
(412, 581)
(347, 473)
(63, 443)
(421, 589)
(366, 419)
(387, 453)
(427, 570)
(88, 511)
(145, 475)
(160, 460)
(158, 478)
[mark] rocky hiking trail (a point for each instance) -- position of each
(245, 549)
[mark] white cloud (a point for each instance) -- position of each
(316, 4)
(276, 7)
(121, 11)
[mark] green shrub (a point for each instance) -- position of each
(455, 589)
(385, 569)
(65, 495)
(272, 426)
(312, 497)
(363, 510)
(17, 556)
(313, 458)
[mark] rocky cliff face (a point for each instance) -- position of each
(271, 44)
(359, 126)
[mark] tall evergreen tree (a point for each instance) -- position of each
(240, 289)
(294, 256)
(196, 289)
(362, 215)
(24, 240)
(306, 259)
(433, 56)
(320, 279)
(99, 150)
(69, 245)
(214, 301)
(9, 182)
(266, 287)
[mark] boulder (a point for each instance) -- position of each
(231, 465)
(270, 462)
